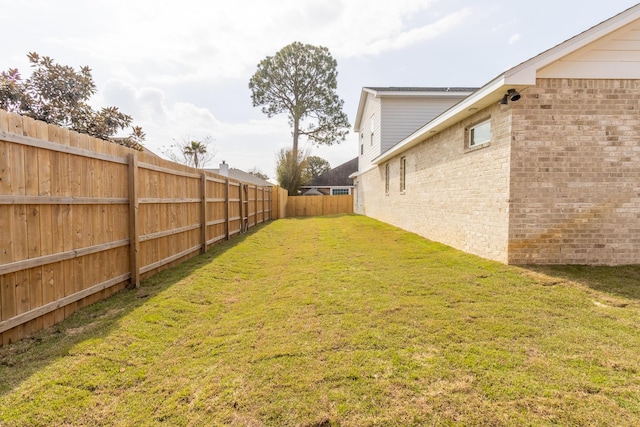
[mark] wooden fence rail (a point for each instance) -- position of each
(81, 218)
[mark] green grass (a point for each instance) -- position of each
(339, 321)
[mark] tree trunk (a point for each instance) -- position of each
(293, 164)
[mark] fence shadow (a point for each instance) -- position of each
(20, 360)
(619, 281)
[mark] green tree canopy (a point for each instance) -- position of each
(316, 166)
(58, 94)
(289, 170)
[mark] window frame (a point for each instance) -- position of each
(387, 178)
(372, 128)
(403, 174)
(341, 191)
(470, 143)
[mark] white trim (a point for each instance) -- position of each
(526, 72)
(401, 94)
(357, 173)
(485, 96)
(473, 144)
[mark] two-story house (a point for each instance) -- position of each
(540, 165)
(386, 115)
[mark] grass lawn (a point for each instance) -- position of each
(339, 321)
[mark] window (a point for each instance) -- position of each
(362, 143)
(403, 174)
(480, 134)
(339, 191)
(373, 127)
(386, 179)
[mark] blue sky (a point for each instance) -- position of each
(181, 69)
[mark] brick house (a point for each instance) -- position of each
(540, 165)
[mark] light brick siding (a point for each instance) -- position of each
(575, 186)
(559, 183)
(454, 196)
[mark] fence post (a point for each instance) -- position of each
(134, 229)
(264, 194)
(241, 188)
(227, 215)
(255, 209)
(270, 203)
(203, 212)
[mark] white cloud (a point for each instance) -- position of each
(240, 143)
(393, 41)
(515, 38)
(197, 40)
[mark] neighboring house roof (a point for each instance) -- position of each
(415, 92)
(146, 150)
(336, 177)
(243, 176)
(312, 192)
(586, 55)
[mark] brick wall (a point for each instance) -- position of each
(575, 187)
(453, 195)
(559, 183)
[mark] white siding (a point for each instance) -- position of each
(614, 56)
(371, 151)
(404, 115)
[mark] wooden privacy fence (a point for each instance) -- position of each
(319, 205)
(80, 218)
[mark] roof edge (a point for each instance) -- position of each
(518, 77)
(409, 91)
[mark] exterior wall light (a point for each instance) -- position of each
(511, 95)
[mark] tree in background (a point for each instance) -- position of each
(58, 94)
(192, 152)
(257, 172)
(316, 166)
(289, 170)
(301, 80)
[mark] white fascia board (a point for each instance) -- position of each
(400, 94)
(483, 97)
(360, 111)
(422, 94)
(362, 172)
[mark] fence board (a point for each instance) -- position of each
(43, 159)
(318, 205)
(83, 217)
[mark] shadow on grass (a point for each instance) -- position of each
(330, 217)
(20, 360)
(619, 281)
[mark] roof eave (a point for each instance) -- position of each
(402, 94)
(518, 77)
(526, 72)
(482, 98)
